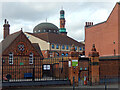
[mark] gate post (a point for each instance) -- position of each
(93, 66)
(73, 65)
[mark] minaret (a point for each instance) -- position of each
(6, 29)
(62, 23)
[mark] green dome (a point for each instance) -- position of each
(45, 27)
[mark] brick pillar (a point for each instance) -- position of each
(94, 65)
(73, 68)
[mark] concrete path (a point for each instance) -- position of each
(95, 87)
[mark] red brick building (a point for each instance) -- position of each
(104, 35)
(19, 55)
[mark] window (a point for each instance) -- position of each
(63, 47)
(49, 30)
(75, 47)
(31, 58)
(57, 46)
(83, 48)
(66, 54)
(85, 68)
(21, 47)
(57, 54)
(53, 46)
(63, 54)
(44, 30)
(38, 30)
(10, 58)
(80, 68)
(80, 48)
(46, 67)
(28, 37)
(54, 30)
(67, 47)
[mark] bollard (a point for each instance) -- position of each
(73, 83)
(105, 84)
(33, 78)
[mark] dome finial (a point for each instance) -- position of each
(61, 7)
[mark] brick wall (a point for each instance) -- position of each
(103, 35)
(109, 68)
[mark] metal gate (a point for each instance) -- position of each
(40, 71)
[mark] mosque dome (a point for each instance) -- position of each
(46, 27)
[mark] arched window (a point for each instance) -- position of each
(75, 47)
(38, 30)
(44, 30)
(83, 48)
(49, 30)
(31, 58)
(67, 47)
(80, 48)
(57, 46)
(10, 58)
(57, 53)
(53, 46)
(63, 47)
(66, 54)
(63, 54)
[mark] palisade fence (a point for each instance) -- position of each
(99, 80)
(48, 69)
(39, 70)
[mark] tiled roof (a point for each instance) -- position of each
(56, 38)
(9, 39)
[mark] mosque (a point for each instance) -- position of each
(54, 41)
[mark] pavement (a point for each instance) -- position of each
(67, 87)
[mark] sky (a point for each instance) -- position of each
(27, 14)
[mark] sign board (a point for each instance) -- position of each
(69, 63)
(21, 63)
(74, 62)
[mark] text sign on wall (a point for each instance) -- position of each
(74, 62)
(69, 64)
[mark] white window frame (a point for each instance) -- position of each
(38, 30)
(31, 58)
(10, 58)
(46, 67)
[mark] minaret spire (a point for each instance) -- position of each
(62, 22)
(46, 19)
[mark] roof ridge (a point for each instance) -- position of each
(8, 42)
(15, 33)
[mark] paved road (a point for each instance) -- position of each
(96, 87)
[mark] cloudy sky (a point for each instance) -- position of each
(27, 15)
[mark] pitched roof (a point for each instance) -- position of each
(36, 46)
(9, 39)
(56, 38)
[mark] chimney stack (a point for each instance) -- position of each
(6, 29)
(87, 24)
